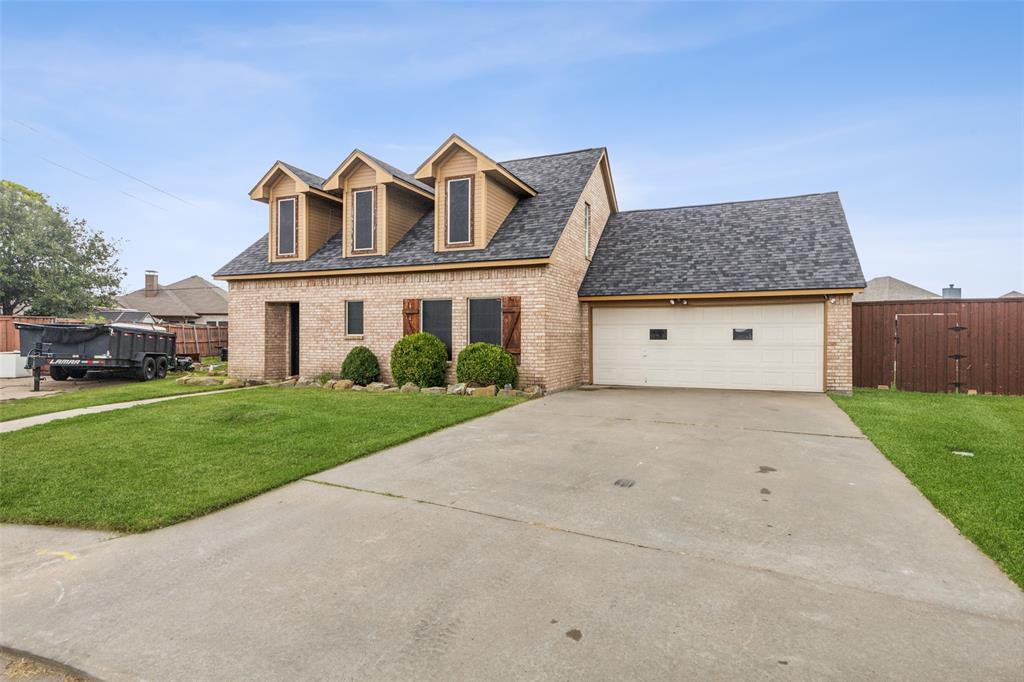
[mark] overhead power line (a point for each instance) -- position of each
(103, 163)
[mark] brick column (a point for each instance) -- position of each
(839, 344)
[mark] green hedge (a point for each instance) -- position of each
(420, 358)
(486, 364)
(360, 366)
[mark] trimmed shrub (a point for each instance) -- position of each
(420, 358)
(486, 364)
(360, 366)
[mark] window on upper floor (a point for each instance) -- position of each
(459, 211)
(485, 320)
(586, 229)
(363, 219)
(286, 226)
(436, 319)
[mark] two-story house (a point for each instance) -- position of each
(535, 256)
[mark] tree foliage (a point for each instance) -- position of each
(52, 264)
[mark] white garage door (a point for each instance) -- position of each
(777, 347)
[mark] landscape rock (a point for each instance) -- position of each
(254, 382)
(410, 388)
(330, 384)
(376, 387)
(483, 391)
(304, 381)
(233, 383)
(393, 389)
(533, 391)
(183, 381)
(456, 389)
(342, 384)
(434, 390)
(512, 393)
(290, 381)
(205, 381)
(357, 387)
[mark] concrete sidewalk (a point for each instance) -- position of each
(16, 424)
(599, 535)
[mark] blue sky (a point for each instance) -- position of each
(914, 112)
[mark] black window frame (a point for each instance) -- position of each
(348, 318)
(295, 226)
(469, 319)
(423, 322)
(660, 334)
(448, 211)
(372, 191)
(743, 334)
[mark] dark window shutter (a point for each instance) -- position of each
(410, 316)
(510, 326)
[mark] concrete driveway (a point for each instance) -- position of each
(641, 534)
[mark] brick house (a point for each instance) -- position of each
(534, 255)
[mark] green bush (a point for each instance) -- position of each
(360, 366)
(486, 364)
(420, 358)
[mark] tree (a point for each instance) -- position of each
(49, 263)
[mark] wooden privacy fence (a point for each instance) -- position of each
(940, 345)
(196, 340)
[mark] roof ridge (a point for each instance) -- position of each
(545, 156)
(730, 203)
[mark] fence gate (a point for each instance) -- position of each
(928, 354)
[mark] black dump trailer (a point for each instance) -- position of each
(72, 350)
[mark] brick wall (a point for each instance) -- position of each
(259, 328)
(567, 346)
(839, 344)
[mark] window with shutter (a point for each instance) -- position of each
(436, 319)
(485, 320)
(511, 337)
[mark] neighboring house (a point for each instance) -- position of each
(1012, 294)
(534, 255)
(192, 300)
(892, 289)
(125, 315)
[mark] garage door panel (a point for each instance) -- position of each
(786, 352)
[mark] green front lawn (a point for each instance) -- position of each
(87, 397)
(154, 465)
(982, 495)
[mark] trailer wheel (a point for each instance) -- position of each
(77, 373)
(161, 367)
(58, 373)
(148, 369)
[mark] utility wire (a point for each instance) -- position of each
(104, 163)
(89, 177)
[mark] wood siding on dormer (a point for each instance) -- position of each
(323, 221)
(459, 164)
(362, 178)
(404, 209)
(500, 203)
(282, 188)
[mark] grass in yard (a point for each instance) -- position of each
(154, 465)
(104, 395)
(982, 495)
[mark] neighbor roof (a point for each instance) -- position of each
(891, 289)
(190, 297)
(1012, 294)
(800, 242)
(531, 229)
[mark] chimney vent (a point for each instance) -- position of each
(952, 291)
(152, 283)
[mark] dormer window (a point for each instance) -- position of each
(286, 226)
(363, 219)
(459, 210)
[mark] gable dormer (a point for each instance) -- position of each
(302, 216)
(473, 194)
(381, 204)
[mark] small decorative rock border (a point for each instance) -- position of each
(381, 387)
(222, 381)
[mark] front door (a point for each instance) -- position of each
(293, 339)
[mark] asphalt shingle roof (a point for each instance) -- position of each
(189, 297)
(399, 173)
(798, 242)
(531, 230)
(311, 179)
